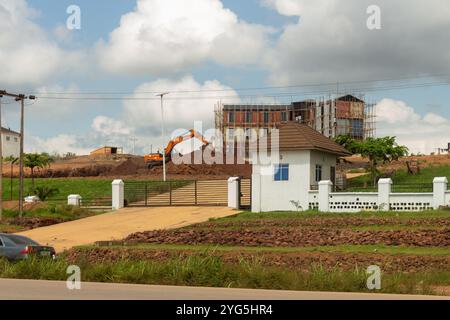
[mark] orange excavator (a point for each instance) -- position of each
(156, 159)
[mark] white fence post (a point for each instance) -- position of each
(439, 189)
(233, 193)
(384, 194)
(324, 195)
(256, 192)
(74, 200)
(118, 199)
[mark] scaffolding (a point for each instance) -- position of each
(332, 116)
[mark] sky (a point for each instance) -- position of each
(96, 85)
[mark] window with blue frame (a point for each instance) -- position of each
(281, 172)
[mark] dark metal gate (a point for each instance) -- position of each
(245, 194)
(176, 193)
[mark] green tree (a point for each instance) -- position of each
(36, 160)
(377, 150)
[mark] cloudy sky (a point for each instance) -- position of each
(208, 50)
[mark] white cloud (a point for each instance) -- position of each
(27, 55)
(169, 36)
(107, 126)
(419, 133)
(59, 144)
(331, 42)
(49, 109)
(181, 110)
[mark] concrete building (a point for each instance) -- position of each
(306, 157)
(345, 115)
(10, 143)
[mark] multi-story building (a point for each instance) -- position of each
(345, 115)
(10, 143)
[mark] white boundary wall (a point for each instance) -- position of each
(326, 201)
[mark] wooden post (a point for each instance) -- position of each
(1, 162)
(21, 193)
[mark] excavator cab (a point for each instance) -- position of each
(157, 159)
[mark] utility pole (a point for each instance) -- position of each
(21, 98)
(22, 131)
(134, 139)
(163, 133)
(1, 160)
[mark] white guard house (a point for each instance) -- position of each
(305, 158)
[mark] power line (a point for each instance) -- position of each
(331, 84)
(266, 95)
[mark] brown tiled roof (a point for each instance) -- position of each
(296, 136)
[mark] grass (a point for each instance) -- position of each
(209, 271)
(404, 182)
(382, 249)
(87, 188)
(245, 216)
(62, 212)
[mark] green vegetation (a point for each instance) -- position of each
(245, 216)
(210, 271)
(404, 182)
(64, 212)
(36, 160)
(377, 150)
(382, 249)
(87, 188)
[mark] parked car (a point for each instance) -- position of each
(15, 247)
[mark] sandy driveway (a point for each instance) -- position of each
(117, 225)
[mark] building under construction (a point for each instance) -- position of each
(345, 115)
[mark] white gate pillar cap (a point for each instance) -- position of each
(117, 182)
(325, 183)
(385, 181)
(440, 180)
(232, 179)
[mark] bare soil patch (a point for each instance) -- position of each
(294, 237)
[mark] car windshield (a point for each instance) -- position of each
(19, 240)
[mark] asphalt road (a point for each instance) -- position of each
(57, 290)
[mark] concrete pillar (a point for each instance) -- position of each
(233, 193)
(256, 192)
(384, 193)
(118, 199)
(440, 185)
(325, 188)
(74, 200)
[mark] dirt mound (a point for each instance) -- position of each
(132, 166)
(297, 260)
(136, 167)
(33, 223)
(294, 237)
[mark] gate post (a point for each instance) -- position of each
(384, 194)
(325, 188)
(439, 189)
(233, 193)
(118, 200)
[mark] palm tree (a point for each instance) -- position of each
(36, 160)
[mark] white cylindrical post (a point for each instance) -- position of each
(118, 199)
(384, 194)
(325, 188)
(440, 185)
(74, 200)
